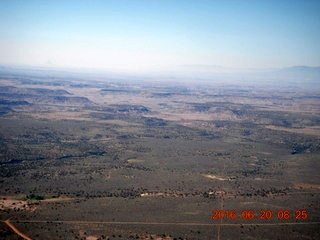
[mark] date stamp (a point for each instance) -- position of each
(263, 214)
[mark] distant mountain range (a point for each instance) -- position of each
(295, 76)
(300, 72)
(220, 69)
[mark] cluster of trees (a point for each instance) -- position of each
(33, 196)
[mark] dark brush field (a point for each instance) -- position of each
(109, 159)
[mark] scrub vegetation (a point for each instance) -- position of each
(151, 160)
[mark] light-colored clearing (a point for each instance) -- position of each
(92, 238)
(218, 192)
(264, 179)
(258, 179)
(163, 238)
(58, 199)
(176, 116)
(211, 176)
(159, 194)
(135, 160)
(308, 130)
(152, 194)
(14, 204)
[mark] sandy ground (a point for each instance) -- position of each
(13, 204)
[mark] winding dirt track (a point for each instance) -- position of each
(16, 230)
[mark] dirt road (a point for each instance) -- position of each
(16, 230)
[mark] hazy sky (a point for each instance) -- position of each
(153, 34)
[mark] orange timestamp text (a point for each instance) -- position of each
(263, 214)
